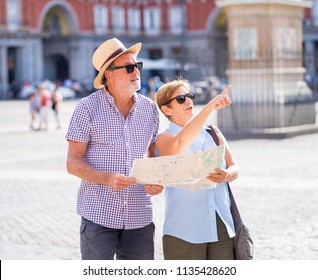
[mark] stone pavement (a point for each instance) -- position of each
(277, 192)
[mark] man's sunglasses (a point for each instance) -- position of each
(129, 67)
(181, 98)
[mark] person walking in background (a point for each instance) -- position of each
(57, 99)
(197, 225)
(108, 130)
(45, 102)
(33, 107)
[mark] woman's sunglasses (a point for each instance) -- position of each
(129, 67)
(181, 98)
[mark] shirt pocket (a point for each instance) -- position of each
(107, 137)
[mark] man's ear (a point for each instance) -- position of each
(108, 75)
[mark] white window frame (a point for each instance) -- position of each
(134, 20)
(286, 46)
(13, 14)
(100, 18)
(118, 18)
(175, 19)
(152, 20)
(245, 43)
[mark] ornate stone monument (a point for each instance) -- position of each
(265, 66)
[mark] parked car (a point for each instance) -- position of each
(28, 88)
(26, 91)
(67, 93)
(301, 93)
(206, 89)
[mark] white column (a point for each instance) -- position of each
(38, 61)
(32, 60)
(310, 56)
(3, 72)
(80, 60)
(315, 12)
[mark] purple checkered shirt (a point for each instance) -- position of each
(113, 144)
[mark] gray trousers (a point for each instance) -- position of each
(101, 243)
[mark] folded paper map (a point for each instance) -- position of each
(187, 171)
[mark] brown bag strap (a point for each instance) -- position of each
(234, 210)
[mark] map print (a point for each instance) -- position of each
(187, 171)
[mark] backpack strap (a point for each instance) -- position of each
(212, 132)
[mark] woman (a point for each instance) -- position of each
(198, 225)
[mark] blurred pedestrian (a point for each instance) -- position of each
(34, 103)
(198, 225)
(154, 84)
(45, 101)
(57, 99)
(14, 89)
(109, 129)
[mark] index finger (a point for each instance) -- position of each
(226, 90)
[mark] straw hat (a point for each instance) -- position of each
(106, 53)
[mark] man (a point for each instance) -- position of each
(109, 129)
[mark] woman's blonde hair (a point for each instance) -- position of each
(166, 91)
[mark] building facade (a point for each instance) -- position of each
(55, 39)
(311, 46)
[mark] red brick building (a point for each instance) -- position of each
(55, 39)
(42, 39)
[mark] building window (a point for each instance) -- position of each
(100, 18)
(134, 20)
(54, 25)
(13, 14)
(118, 18)
(152, 18)
(176, 19)
(245, 43)
(286, 42)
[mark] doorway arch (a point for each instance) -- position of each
(58, 22)
(58, 18)
(217, 27)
